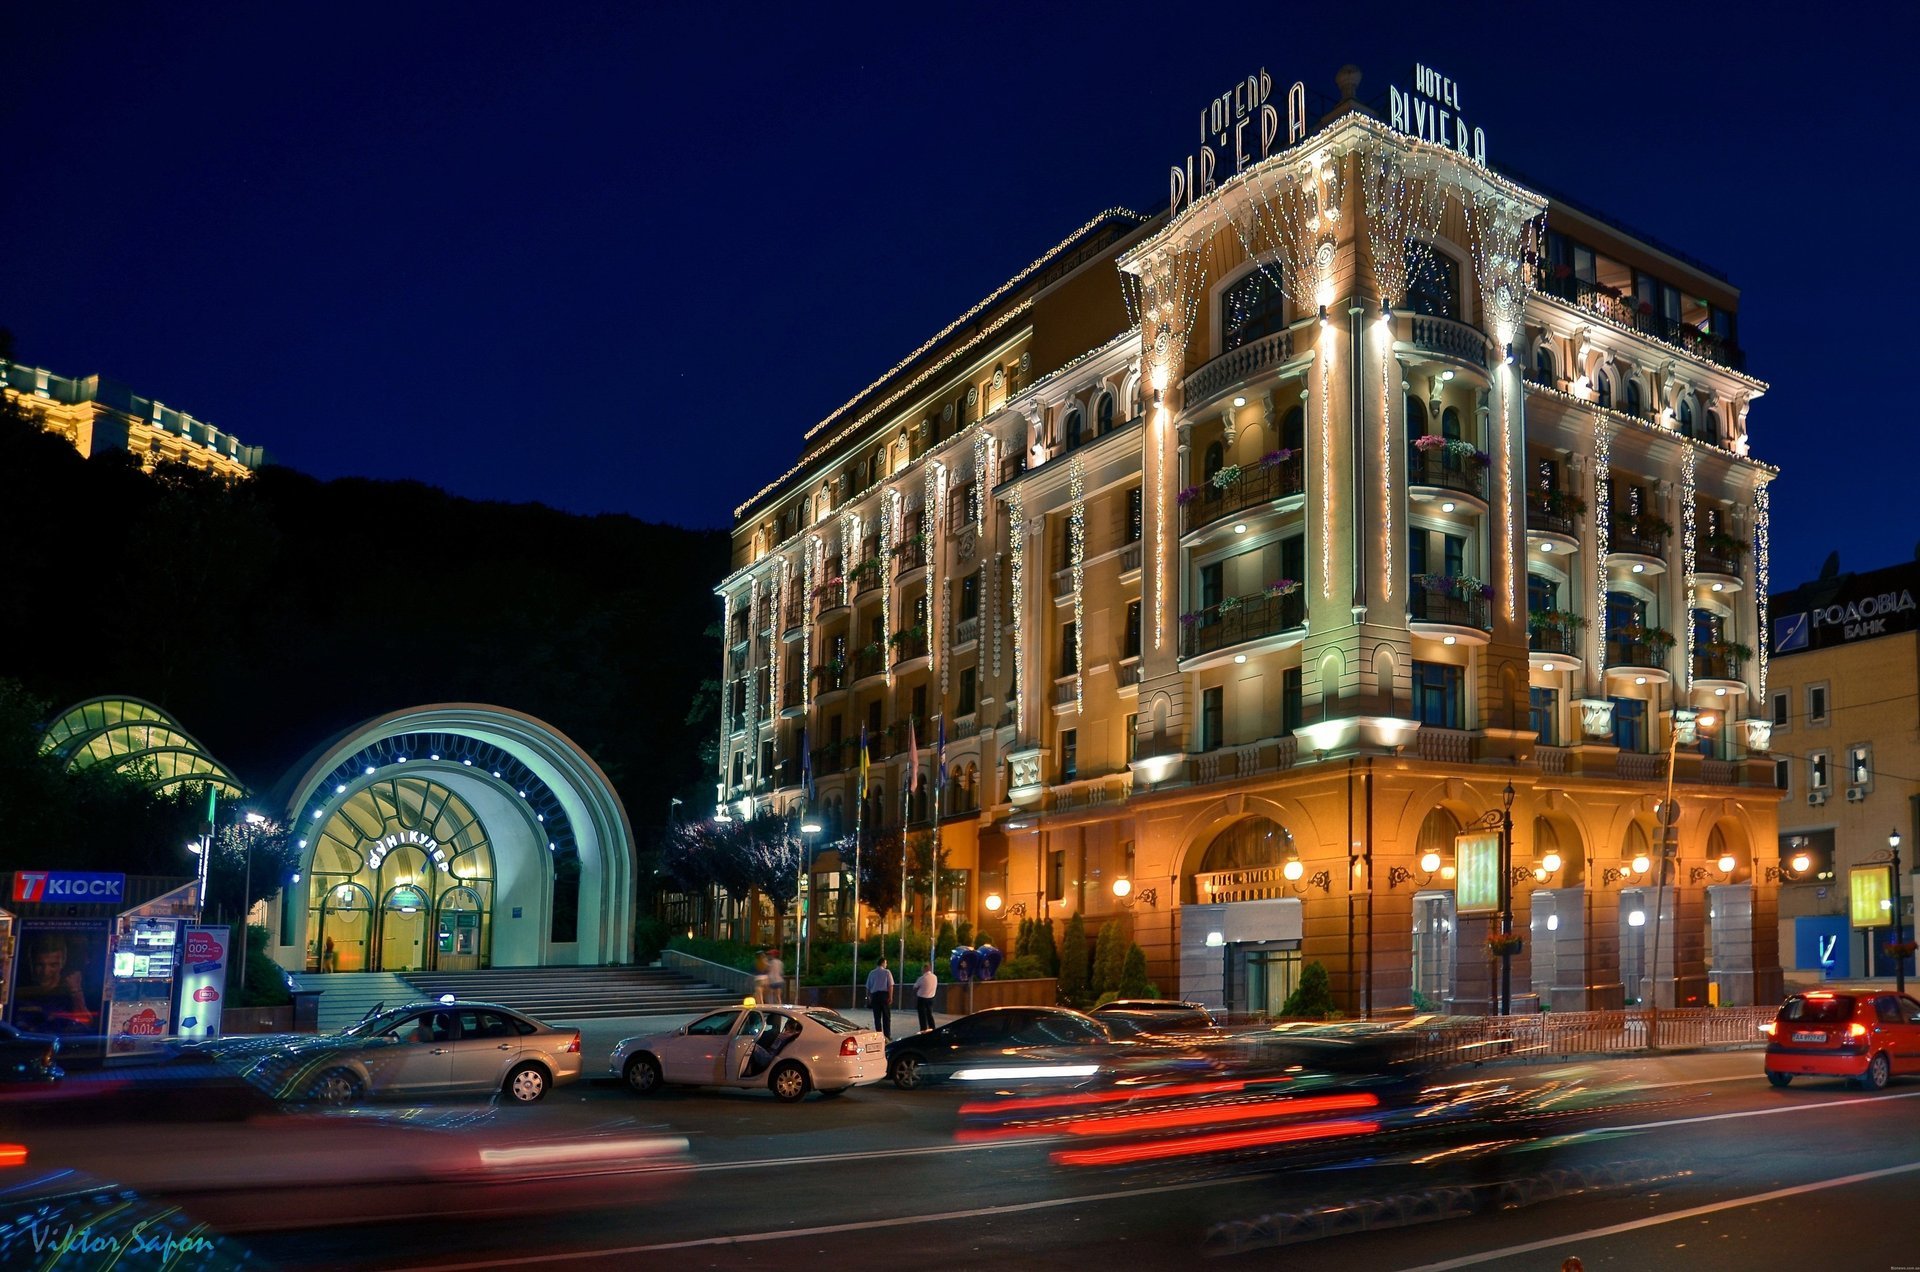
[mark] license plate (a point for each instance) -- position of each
(1806, 1035)
(872, 1046)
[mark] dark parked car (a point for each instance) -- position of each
(28, 1059)
(1133, 1017)
(1000, 1040)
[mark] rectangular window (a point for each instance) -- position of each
(1069, 754)
(1290, 700)
(1133, 738)
(1057, 875)
(1860, 766)
(766, 758)
(1783, 774)
(1211, 581)
(1817, 771)
(1134, 519)
(1816, 704)
(1630, 724)
(920, 706)
(1543, 713)
(1069, 653)
(873, 720)
(969, 596)
(739, 767)
(1782, 707)
(1132, 649)
(1543, 594)
(1456, 555)
(1212, 705)
(969, 686)
(1436, 695)
(1417, 551)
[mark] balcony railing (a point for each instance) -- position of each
(1453, 339)
(908, 646)
(868, 574)
(1445, 469)
(1708, 665)
(1554, 640)
(967, 629)
(1012, 466)
(869, 662)
(1237, 365)
(829, 759)
(827, 678)
(964, 727)
(791, 696)
(1618, 310)
(1252, 618)
(1717, 563)
(1625, 536)
(1425, 606)
(1063, 692)
(1553, 512)
(1130, 557)
(1257, 484)
(910, 555)
(1636, 653)
(793, 614)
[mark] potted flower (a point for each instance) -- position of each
(1189, 618)
(1187, 496)
(1900, 949)
(1283, 587)
(1226, 477)
(1499, 945)
(1428, 441)
(1659, 636)
(1722, 544)
(1228, 604)
(1275, 458)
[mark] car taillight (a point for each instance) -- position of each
(849, 1046)
(13, 1154)
(1856, 1030)
(1768, 1028)
(573, 1048)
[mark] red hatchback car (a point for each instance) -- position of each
(1864, 1038)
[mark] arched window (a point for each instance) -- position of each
(1633, 399)
(1216, 460)
(1543, 366)
(1433, 283)
(1248, 844)
(1711, 433)
(1450, 424)
(1686, 418)
(1603, 388)
(1071, 429)
(1250, 308)
(1103, 415)
(1416, 417)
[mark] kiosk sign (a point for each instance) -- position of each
(203, 982)
(55, 886)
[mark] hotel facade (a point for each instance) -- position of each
(99, 416)
(1239, 574)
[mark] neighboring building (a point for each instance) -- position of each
(1227, 582)
(139, 739)
(98, 415)
(1845, 710)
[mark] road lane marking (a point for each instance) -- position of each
(1651, 1221)
(866, 1155)
(826, 1230)
(1726, 1117)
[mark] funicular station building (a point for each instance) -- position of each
(1259, 561)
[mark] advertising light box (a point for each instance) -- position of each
(1870, 901)
(1477, 884)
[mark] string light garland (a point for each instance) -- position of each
(849, 544)
(1017, 545)
(1077, 553)
(933, 501)
(1324, 356)
(1405, 198)
(781, 587)
(812, 560)
(1160, 425)
(1602, 529)
(1386, 464)
(1504, 236)
(1762, 527)
(889, 516)
(1689, 491)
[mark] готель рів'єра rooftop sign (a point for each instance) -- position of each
(1237, 121)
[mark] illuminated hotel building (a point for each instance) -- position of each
(98, 415)
(1250, 552)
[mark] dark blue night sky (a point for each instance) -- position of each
(620, 258)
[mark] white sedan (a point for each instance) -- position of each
(788, 1050)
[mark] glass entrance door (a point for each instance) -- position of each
(403, 930)
(1432, 950)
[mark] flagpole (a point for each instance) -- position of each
(859, 832)
(933, 888)
(906, 819)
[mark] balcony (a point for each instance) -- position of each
(1450, 339)
(1644, 658)
(1012, 466)
(966, 631)
(1236, 622)
(1639, 538)
(868, 663)
(1063, 692)
(1130, 557)
(1443, 601)
(1278, 476)
(1556, 513)
(1237, 366)
(1450, 465)
(1606, 303)
(868, 575)
(909, 645)
(1555, 640)
(830, 759)
(793, 616)
(829, 678)
(910, 555)
(1718, 664)
(792, 699)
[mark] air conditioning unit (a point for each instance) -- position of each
(1855, 794)
(1816, 798)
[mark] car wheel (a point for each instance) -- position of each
(336, 1088)
(1875, 1078)
(1779, 1079)
(906, 1072)
(643, 1075)
(527, 1084)
(788, 1082)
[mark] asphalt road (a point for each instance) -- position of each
(1705, 1166)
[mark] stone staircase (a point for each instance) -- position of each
(577, 993)
(347, 996)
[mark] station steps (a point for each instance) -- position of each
(577, 993)
(347, 996)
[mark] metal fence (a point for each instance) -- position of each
(1558, 1034)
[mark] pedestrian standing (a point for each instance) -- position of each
(760, 977)
(776, 977)
(923, 991)
(880, 996)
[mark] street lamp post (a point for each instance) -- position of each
(808, 829)
(1506, 901)
(1899, 924)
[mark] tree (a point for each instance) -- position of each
(1023, 939)
(1044, 948)
(1073, 959)
(1109, 958)
(1312, 998)
(252, 860)
(1133, 975)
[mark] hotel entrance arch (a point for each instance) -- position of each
(455, 837)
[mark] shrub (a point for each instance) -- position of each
(949, 939)
(1312, 998)
(1073, 960)
(1044, 948)
(266, 979)
(649, 938)
(1026, 967)
(1133, 975)
(734, 954)
(1109, 959)
(1023, 942)
(965, 935)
